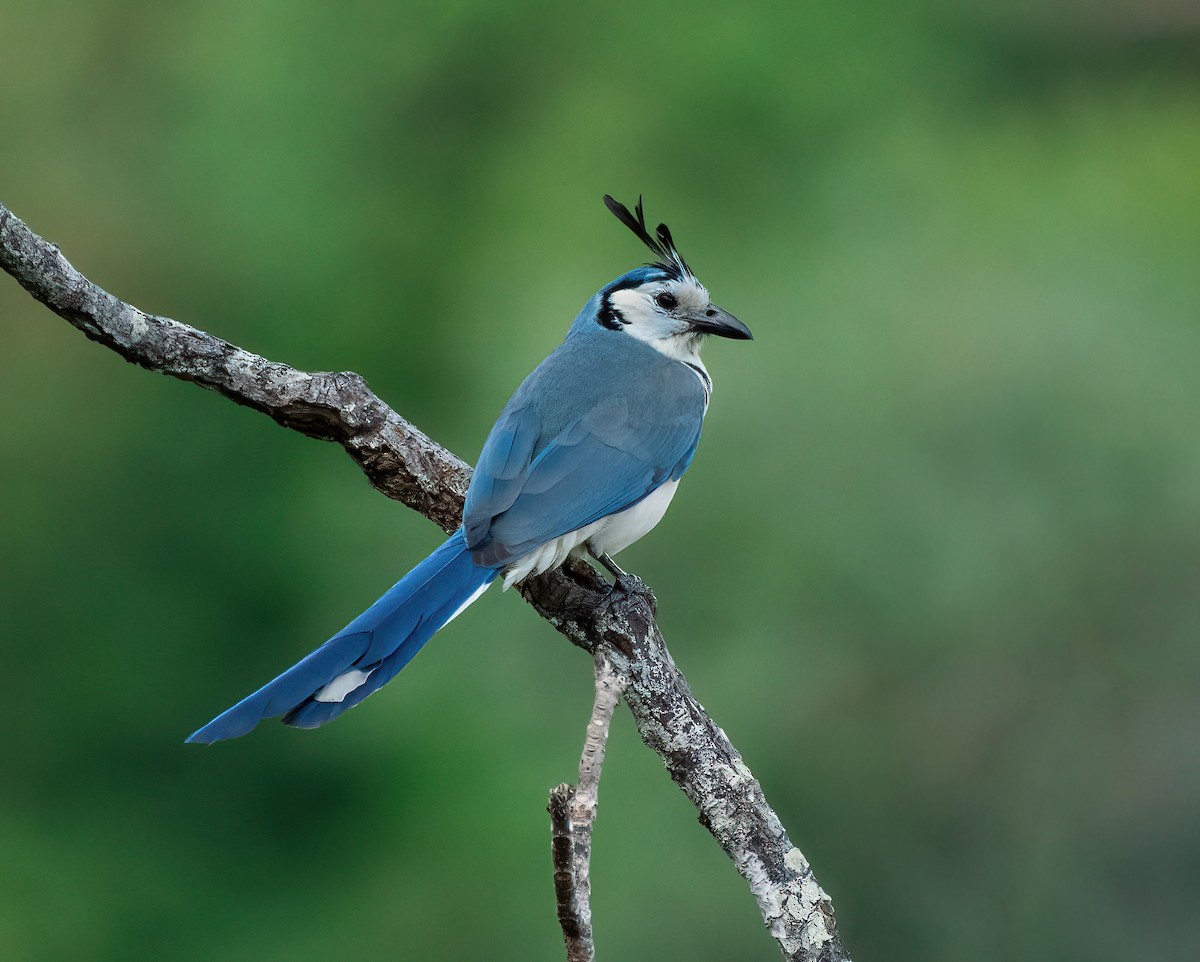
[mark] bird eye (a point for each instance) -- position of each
(666, 300)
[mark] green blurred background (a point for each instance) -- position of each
(935, 568)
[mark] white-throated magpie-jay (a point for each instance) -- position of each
(584, 458)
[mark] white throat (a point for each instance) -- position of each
(668, 335)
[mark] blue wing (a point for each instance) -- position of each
(548, 469)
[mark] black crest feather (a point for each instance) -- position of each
(663, 245)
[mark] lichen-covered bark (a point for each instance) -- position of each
(711, 773)
(574, 914)
(409, 467)
(573, 813)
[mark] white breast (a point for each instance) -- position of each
(606, 536)
(623, 529)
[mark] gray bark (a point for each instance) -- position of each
(573, 813)
(409, 467)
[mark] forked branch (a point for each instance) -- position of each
(406, 465)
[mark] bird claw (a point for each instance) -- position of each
(630, 586)
(626, 584)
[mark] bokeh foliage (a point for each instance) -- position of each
(935, 569)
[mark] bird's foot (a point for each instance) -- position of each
(625, 586)
(630, 587)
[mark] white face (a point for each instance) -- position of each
(661, 313)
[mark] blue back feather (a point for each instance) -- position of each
(600, 424)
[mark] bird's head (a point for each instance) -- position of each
(662, 303)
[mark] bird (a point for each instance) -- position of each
(583, 461)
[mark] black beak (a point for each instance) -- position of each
(721, 323)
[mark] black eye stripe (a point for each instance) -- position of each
(609, 316)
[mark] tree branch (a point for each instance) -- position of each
(574, 918)
(409, 467)
(572, 814)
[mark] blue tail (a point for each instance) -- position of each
(366, 654)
